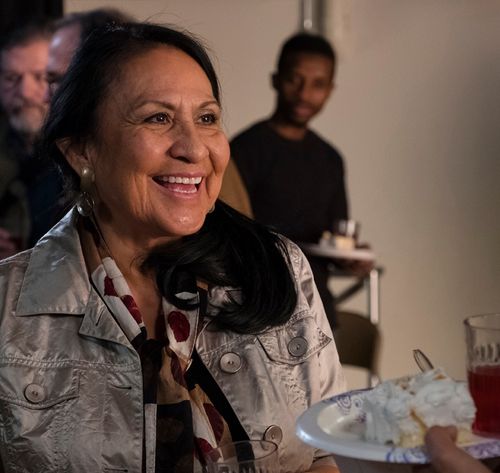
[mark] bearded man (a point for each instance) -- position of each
(29, 188)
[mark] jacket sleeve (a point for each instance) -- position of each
(331, 379)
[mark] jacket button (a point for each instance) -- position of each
(230, 362)
(274, 434)
(34, 393)
(297, 346)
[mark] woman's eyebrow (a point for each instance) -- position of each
(142, 102)
(209, 103)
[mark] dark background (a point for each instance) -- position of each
(16, 12)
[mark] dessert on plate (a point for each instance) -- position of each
(339, 242)
(400, 411)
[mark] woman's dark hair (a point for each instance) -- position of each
(232, 250)
(229, 249)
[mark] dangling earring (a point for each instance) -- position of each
(85, 203)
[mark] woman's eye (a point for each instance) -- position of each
(209, 118)
(158, 118)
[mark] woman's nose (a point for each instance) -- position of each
(188, 143)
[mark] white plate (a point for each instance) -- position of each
(336, 425)
(328, 251)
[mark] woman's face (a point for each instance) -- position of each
(160, 152)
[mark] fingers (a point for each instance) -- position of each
(440, 443)
(441, 436)
(446, 456)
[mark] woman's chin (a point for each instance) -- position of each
(183, 225)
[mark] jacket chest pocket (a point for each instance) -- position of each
(35, 415)
(292, 349)
(294, 342)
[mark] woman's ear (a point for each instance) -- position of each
(75, 153)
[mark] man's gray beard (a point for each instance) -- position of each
(26, 124)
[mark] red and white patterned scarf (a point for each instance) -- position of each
(181, 424)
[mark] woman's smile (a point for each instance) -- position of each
(185, 186)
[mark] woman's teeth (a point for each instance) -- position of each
(180, 180)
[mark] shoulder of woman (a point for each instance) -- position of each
(12, 275)
(296, 257)
(14, 264)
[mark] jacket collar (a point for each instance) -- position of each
(56, 280)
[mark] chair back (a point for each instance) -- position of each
(358, 343)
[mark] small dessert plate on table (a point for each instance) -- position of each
(336, 425)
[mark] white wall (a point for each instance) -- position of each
(416, 114)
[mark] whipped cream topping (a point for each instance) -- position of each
(399, 411)
(337, 241)
(445, 402)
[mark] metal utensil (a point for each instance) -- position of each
(422, 360)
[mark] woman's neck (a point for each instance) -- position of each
(129, 257)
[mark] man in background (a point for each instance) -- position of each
(29, 187)
(294, 178)
(31, 205)
(69, 33)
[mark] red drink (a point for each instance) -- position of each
(484, 385)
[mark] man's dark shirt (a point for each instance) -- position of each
(44, 190)
(296, 187)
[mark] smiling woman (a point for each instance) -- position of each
(153, 323)
(159, 152)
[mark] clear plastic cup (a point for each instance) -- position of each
(251, 456)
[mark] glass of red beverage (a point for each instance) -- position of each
(482, 334)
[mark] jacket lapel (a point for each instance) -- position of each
(100, 324)
(56, 282)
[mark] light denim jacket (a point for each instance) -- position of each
(71, 383)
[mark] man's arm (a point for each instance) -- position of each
(340, 211)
